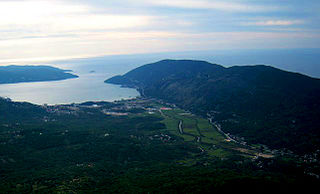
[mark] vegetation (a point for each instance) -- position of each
(80, 149)
(259, 103)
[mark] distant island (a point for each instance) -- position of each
(256, 104)
(18, 74)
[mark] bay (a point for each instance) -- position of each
(88, 87)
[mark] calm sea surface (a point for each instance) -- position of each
(88, 87)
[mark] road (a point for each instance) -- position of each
(220, 130)
(180, 127)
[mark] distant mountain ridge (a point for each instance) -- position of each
(261, 103)
(17, 74)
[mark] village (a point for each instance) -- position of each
(117, 108)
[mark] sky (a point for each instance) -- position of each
(32, 30)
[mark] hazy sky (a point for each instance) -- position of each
(54, 29)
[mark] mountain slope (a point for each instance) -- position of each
(260, 103)
(16, 74)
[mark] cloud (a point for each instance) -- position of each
(274, 23)
(114, 42)
(229, 6)
(70, 28)
(57, 18)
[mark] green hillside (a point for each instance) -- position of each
(260, 103)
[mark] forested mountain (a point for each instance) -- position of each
(260, 103)
(17, 74)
